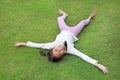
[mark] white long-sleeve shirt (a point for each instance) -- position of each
(60, 39)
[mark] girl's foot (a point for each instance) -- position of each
(62, 12)
(93, 14)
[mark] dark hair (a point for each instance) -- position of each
(49, 55)
(52, 58)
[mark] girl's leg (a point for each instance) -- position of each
(77, 29)
(61, 20)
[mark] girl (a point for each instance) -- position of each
(64, 42)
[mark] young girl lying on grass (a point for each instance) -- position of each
(64, 42)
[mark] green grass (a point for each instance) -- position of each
(36, 20)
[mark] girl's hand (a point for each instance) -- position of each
(101, 67)
(18, 44)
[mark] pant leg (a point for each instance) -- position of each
(77, 29)
(61, 22)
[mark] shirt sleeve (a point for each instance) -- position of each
(40, 45)
(83, 56)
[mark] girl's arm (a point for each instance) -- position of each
(34, 45)
(89, 60)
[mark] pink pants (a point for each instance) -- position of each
(75, 29)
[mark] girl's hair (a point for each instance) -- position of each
(49, 54)
(50, 57)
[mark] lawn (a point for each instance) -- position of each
(36, 20)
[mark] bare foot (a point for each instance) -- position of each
(62, 12)
(93, 14)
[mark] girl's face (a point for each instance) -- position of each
(58, 51)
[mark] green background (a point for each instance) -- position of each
(36, 20)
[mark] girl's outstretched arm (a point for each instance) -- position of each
(89, 60)
(34, 45)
